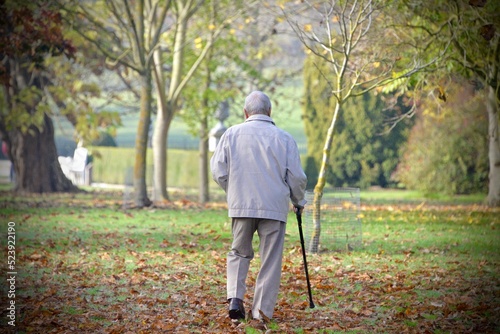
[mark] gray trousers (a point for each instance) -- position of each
(271, 236)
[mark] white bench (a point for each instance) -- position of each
(76, 168)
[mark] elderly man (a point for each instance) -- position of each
(258, 166)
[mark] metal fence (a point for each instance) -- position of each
(338, 225)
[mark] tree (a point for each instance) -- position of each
(366, 153)
(171, 85)
(211, 89)
(472, 27)
(168, 88)
(350, 36)
(75, 93)
(447, 151)
(149, 39)
(29, 34)
(234, 64)
(127, 37)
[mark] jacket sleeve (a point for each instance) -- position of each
(296, 178)
(219, 165)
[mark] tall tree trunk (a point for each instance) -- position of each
(494, 148)
(159, 139)
(320, 185)
(203, 161)
(203, 146)
(34, 157)
(164, 118)
(160, 132)
(141, 141)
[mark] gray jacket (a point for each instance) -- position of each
(258, 166)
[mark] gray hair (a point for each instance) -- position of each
(257, 103)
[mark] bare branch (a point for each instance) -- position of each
(216, 33)
(138, 30)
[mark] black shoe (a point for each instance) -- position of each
(236, 309)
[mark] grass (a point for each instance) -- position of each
(393, 196)
(87, 264)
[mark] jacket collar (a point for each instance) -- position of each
(260, 117)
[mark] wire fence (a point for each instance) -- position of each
(337, 226)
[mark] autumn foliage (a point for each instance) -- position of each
(87, 265)
(30, 33)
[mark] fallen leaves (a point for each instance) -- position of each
(191, 300)
(128, 278)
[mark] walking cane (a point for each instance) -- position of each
(299, 221)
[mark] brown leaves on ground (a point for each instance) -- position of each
(178, 286)
(90, 299)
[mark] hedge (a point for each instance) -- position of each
(115, 165)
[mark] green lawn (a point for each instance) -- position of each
(86, 264)
(391, 196)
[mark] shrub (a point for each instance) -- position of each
(447, 151)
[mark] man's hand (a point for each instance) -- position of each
(298, 209)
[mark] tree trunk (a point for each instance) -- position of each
(160, 132)
(320, 185)
(184, 9)
(493, 149)
(203, 162)
(159, 139)
(203, 147)
(34, 157)
(32, 151)
(169, 108)
(141, 141)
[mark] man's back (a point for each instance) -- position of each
(262, 166)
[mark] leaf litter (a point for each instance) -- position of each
(178, 286)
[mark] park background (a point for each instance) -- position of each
(445, 147)
(427, 261)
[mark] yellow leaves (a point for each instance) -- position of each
(91, 89)
(308, 28)
(77, 84)
(282, 3)
(348, 205)
(441, 93)
(211, 27)
(198, 43)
